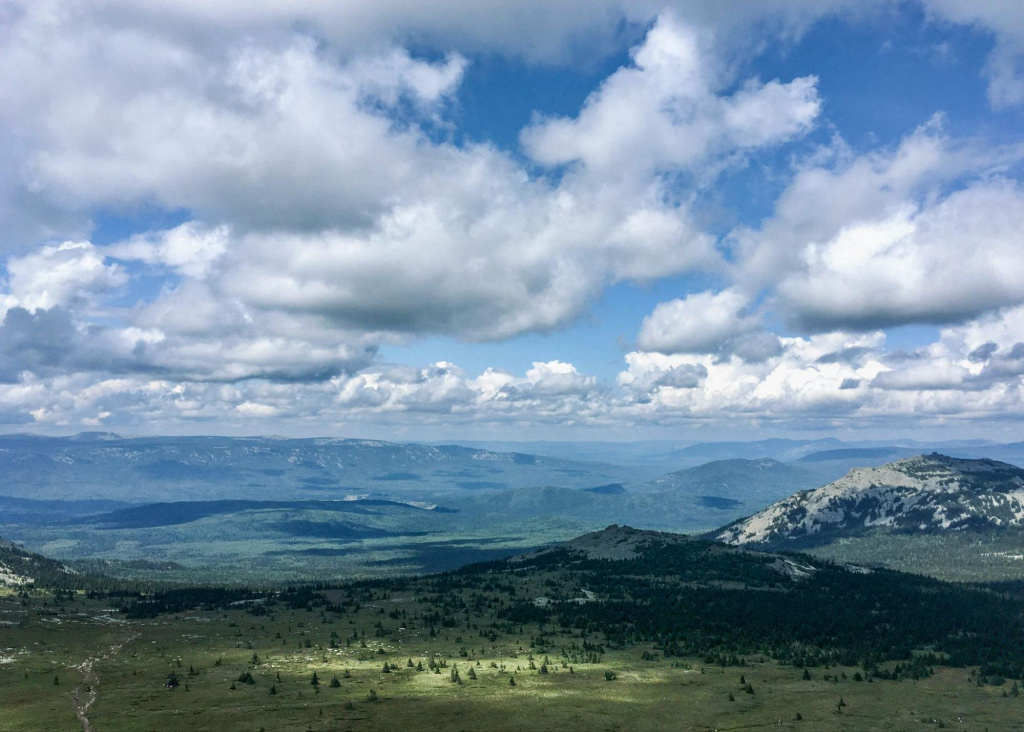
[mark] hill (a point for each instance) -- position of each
(690, 596)
(20, 567)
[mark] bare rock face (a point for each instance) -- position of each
(926, 493)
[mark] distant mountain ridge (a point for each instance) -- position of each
(760, 479)
(150, 469)
(925, 493)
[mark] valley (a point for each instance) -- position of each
(231, 510)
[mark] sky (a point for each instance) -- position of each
(514, 219)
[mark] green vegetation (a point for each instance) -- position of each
(273, 544)
(970, 556)
(673, 634)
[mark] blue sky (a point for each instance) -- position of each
(565, 220)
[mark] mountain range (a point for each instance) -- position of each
(106, 466)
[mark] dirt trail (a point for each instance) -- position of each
(87, 691)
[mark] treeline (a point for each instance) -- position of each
(182, 599)
(686, 599)
(693, 600)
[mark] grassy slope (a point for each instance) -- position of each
(647, 695)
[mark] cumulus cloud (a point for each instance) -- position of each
(486, 257)
(260, 136)
(880, 239)
(825, 380)
(58, 275)
(942, 262)
(1005, 21)
(331, 206)
(704, 322)
(666, 112)
(546, 31)
(190, 249)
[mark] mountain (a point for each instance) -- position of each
(610, 489)
(152, 469)
(645, 456)
(865, 455)
(922, 494)
(19, 567)
(757, 481)
(775, 448)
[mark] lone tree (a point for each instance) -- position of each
(315, 681)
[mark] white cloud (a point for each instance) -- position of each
(556, 378)
(486, 256)
(333, 209)
(387, 79)
(255, 409)
(703, 322)
(1004, 19)
(259, 136)
(316, 191)
(62, 274)
(666, 112)
(547, 31)
(923, 233)
(190, 248)
(835, 380)
(836, 189)
(945, 261)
